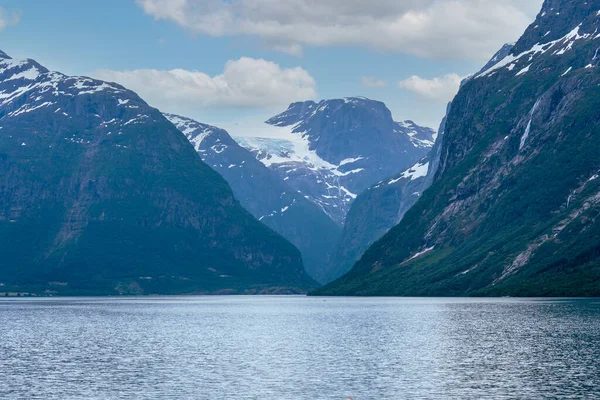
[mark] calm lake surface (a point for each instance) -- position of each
(298, 348)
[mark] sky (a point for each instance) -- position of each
(235, 63)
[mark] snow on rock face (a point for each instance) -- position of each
(417, 137)
(534, 44)
(185, 125)
(91, 157)
(30, 93)
(27, 87)
(38, 82)
(19, 69)
(318, 180)
(295, 148)
(333, 150)
(420, 253)
(550, 58)
(31, 74)
(263, 191)
(195, 132)
(418, 170)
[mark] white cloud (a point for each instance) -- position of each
(372, 82)
(442, 89)
(244, 83)
(293, 49)
(438, 29)
(8, 18)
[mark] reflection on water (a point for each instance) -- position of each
(298, 348)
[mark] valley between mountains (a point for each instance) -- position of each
(103, 194)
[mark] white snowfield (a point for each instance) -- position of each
(291, 152)
(419, 170)
(293, 147)
(283, 144)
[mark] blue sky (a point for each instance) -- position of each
(292, 49)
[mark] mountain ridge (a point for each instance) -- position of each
(382, 206)
(100, 194)
(265, 194)
(513, 206)
(333, 150)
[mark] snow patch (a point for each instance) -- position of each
(418, 170)
(98, 88)
(26, 108)
(538, 48)
(31, 74)
(567, 71)
(290, 147)
(423, 252)
(350, 161)
(523, 71)
(137, 120)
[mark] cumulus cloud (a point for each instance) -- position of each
(437, 29)
(442, 89)
(372, 82)
(244, 83)
(8, 18)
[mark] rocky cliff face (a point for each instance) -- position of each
(514, 204)
(265, 194)
(333, 150)
(100, 194)
(382, 206)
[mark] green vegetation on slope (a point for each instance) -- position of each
(500, 219)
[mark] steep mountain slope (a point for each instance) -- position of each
(381, 207)
(332, 151)
(265, 194)
(100, 194)
(515, 203)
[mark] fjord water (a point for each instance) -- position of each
(298, 348)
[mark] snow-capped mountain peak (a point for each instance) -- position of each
(28, 88)
(196, 132)
(262, 191)
(554, 34)
(332, 150)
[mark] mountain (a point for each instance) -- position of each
(381, 207)
(265, 194)
(514, 206)
(100, 194)
(333, 150)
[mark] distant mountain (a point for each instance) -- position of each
(333, 150)
(265, 194)
(514, 205)
(381, 207)
(100, 194)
